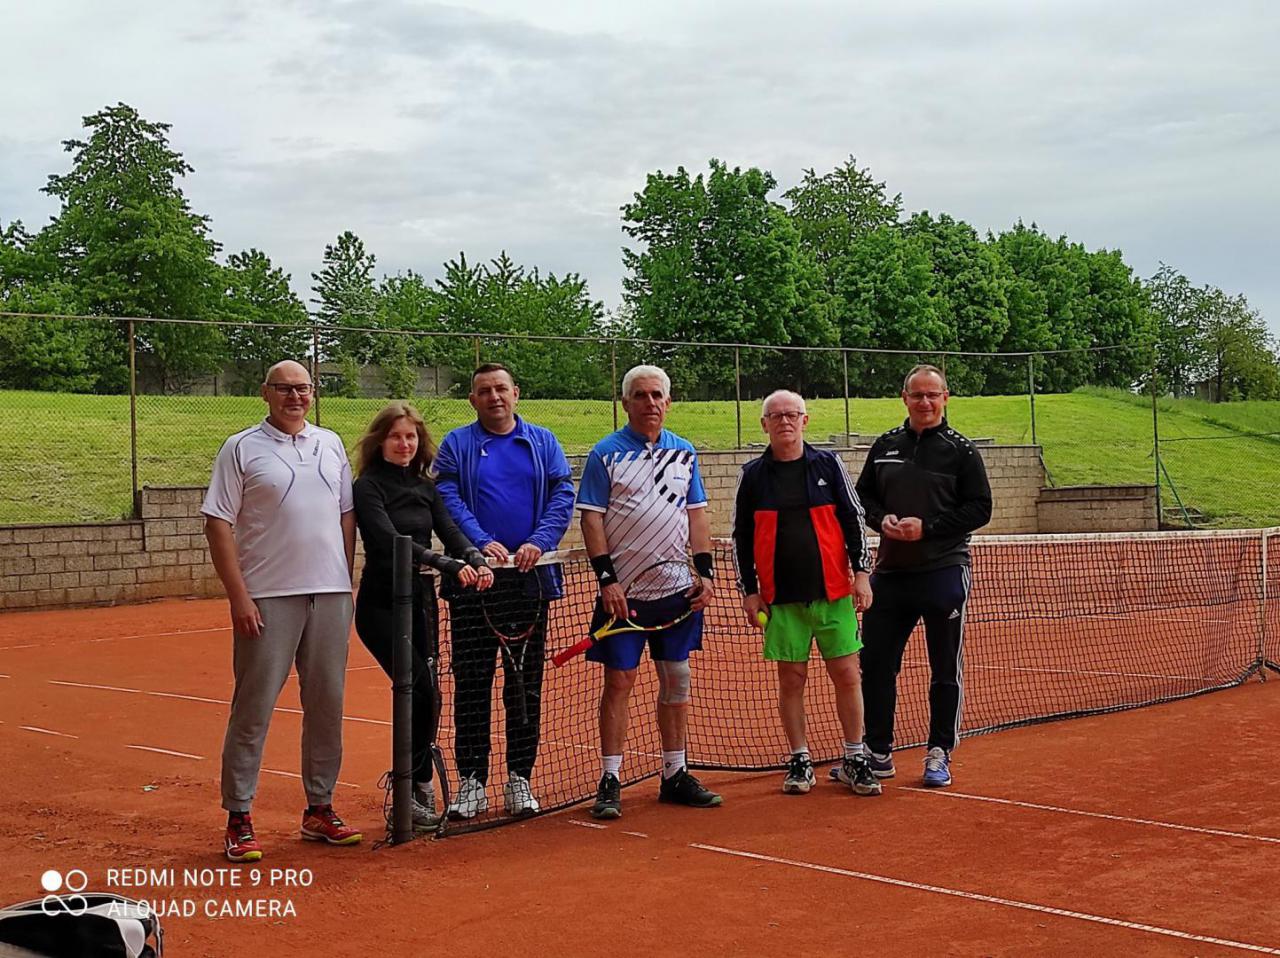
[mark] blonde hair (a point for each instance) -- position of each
(369, 448)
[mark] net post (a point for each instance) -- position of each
(737, 393)
(133, 422)
(402, 691)
(1262, 612)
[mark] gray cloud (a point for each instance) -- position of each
(430, 128)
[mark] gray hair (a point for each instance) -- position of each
(781, 394)
(645, 372)
(924, 368)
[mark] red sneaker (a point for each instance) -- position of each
(239, 842)
(320, 823)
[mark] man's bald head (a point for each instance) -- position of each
(294, 369)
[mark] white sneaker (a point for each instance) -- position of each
(471, 800)
(518, 798)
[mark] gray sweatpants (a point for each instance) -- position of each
(311, 630)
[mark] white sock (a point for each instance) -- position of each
(612, 765)
(852, 748)
(802, 750)
(672, 762)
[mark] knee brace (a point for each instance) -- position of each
(673, 682)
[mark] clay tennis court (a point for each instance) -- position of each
(1149, 832)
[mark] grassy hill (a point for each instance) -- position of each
(66, 457)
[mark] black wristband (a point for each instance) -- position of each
(702, 561)
(602, 566)
(450, 566)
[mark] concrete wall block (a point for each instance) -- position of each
(107, 563)
(38, 580)
(19, 566)
(38, 549)
(157, 528)
(28, 534)
(50, 564)
(63, 580)
(122, 577)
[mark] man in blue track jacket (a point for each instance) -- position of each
(507, 484)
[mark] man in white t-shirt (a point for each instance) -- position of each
(281, 528)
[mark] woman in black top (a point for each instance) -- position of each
(395, 496)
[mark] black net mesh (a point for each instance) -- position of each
(1056, 627)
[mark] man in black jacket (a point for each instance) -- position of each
(924, 489)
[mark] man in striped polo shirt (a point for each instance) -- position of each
(642, 502)
(281, 528)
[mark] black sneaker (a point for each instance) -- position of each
(856, 773)
(608, 797)
(799, 777)
(683, 789)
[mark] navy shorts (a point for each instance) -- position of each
(669, 645)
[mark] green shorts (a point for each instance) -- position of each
(794, 625)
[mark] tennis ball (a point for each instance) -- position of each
(762, 617)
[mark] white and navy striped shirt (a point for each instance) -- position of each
(645, 490)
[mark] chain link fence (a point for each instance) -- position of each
(96, 408)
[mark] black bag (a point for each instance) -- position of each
(88, 925)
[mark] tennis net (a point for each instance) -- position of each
(1056, 626)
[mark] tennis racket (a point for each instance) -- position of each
(646, 609)
(513, 609)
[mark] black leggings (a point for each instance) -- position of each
(375, 624)
(474, 662)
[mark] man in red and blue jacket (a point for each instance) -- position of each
(803, 564)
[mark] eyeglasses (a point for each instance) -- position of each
(283, 389)
(788, 416)
(931, 396)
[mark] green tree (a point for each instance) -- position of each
(718, 261)
(128, 242)
(835, 209)
(345, 296)
(1178, 311)
(887, 299)
(273, 322)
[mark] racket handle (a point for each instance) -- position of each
(572, 652)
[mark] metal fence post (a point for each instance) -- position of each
(133, 424)
(476, 341)
(848, 430)
(737, 390)
(315, 370)
(1031, 386)
(613, 378)
(1155, 438)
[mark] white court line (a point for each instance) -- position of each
(164, 751)
(293, 711)
(992, 900)
(45, 731)
(1123, 675)
(276, 771)
(636, 834)
(196, 698)
(582, 824)
(939, 793)
(112, 638)
(3, 676)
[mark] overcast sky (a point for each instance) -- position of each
(434, 128)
